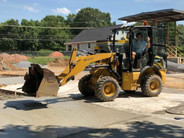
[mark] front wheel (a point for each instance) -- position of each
(106, 88)
(84, 86)
(151, 85)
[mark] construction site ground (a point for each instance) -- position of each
(72, 115)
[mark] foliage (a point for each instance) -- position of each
(180, 38)
(181, 49)
(89, 17)
(43, 52)
(33, 35)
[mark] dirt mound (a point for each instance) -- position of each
(6, 61)
(56, 54)
(58, 62)
(15, 58)
(5, 65)
(4, 55)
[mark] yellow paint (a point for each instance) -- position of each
(78, 64)
(129, 80)
(109, 89)
(121, 41)
(163, 75)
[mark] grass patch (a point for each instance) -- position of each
(44, 60)
(40, 60)
(66, 57)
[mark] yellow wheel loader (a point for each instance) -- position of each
(112, 71)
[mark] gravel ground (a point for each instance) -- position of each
(26, 64)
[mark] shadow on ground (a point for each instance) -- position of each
(122, 94)
(133, 129)
(35, 104)
(40, 103)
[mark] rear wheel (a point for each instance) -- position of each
(151, 85)
(106, 88)
(84, 86)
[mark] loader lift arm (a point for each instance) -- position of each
(78, 64)
(42, 82)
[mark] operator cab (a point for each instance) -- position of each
(134, 54)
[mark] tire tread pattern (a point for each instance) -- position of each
(145, 85)
(83, 86)
(99, 85)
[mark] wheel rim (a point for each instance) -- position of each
(154, 85)
(109, 89)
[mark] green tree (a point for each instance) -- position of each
(29, 35)
(180, 38)
(54, 38)
(50, 32)
(70, 19)
(9, 31)
(90, 17)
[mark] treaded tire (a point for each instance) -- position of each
(146, 85)
(83, 86)
(100, 86)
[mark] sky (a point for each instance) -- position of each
(38, 9)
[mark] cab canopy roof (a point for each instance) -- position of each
(167, 15)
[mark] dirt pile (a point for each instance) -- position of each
(58, 62)
(6, 61)
(4, 56)
(5, 65)
(14, 58)
(56, 54)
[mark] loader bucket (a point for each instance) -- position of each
(40, 82)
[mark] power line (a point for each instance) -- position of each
(49, 27)
(64, 34)
(33, 39)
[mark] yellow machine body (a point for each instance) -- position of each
(131, 80)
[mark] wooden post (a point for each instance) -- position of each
(175, 39)
(15, 94)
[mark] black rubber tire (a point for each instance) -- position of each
(145, 85)
(83, 86)
(129, 91)
(100, 86)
